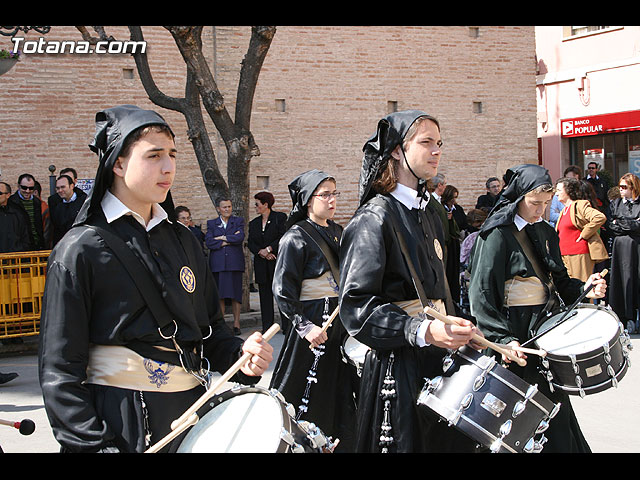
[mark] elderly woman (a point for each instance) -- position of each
(506, 295)
(224, 238)
(624, 225)
(310, 371)
(578, 223)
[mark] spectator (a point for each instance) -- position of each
(265, 232)
(475, 219)
(452, 261)
(488, 200)
(580, 244)
(14, 233)
(55, 199)
(435, 187)
(31, 210)
(624, 226)
(47, 227)
(224, 238)
(183, 215)
(600, 185)
(64, 215)
(572, 171)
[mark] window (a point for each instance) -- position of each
(392, 106)
(262, 182)
(127, 73)
(578, 31)
(280, 105)
(477, 107)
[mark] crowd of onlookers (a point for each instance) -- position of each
(598, 227)
(29, 222)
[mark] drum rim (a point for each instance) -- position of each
(581, 357)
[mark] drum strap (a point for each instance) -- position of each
(553, 300)
(424, 300)
(190, 360)
(324, 247)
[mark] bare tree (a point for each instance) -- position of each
(201, 90)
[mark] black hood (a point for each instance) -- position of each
(300, 190)
(113, 126)
(520, 180)
(377, 150)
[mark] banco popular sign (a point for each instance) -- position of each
(599, 124)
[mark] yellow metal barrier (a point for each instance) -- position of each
(22, 278)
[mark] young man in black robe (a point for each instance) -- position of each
(114, 376)
(379, 302)
(509, 315)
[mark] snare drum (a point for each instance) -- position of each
(252, 420)
(354, 353)
(587, 353)
(488, 403)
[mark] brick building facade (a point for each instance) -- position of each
(320, 93)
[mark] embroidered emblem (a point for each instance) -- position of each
(158, 372)
(438, 247)
(332, 283)
(188, 279)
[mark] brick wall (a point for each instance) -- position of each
(336, 83)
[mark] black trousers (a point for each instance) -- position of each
(267, 309)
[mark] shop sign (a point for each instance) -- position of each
(599, 124)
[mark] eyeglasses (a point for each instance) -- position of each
(27, 189)
(623, 187)
(5, 193)
(327, 196)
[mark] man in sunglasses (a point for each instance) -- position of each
(31, 211)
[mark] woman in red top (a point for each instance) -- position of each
(580, 243)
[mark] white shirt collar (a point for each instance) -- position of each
(409, 197)
(73, 197)
(113, 209)
(521, 222)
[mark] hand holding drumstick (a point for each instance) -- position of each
(478, 338)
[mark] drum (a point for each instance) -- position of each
(488, 403)
(252, 420)
(354, 353)
(587, 352)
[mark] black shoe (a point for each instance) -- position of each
(236, 331)
(7, 377)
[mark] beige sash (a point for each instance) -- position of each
(520, 291)
(414, 307)
(117, 366)
(321, 287)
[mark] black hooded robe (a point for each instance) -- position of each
(90, 299)
(374, 275)
(624, 225)
(497, 257)
(330, 401)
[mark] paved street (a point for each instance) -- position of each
(610, 419)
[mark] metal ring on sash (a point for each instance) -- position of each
(187, 360)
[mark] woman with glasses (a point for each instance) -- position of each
(310, 372)
(624, 225)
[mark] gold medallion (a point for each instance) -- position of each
(187, 279)
(436, 245)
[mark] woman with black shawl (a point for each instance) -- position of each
(507, 297)
(310, 371)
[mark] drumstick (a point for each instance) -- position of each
(517, 348)
(190, 417)
(327, 324)
(480, 339)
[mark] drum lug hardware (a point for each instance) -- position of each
(505, 429)
(555, 410)
(447, 363)
(544, 425)
(534, 446)
(576, 367)
(287, 437)
(522, 404)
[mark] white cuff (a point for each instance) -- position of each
(420, 334)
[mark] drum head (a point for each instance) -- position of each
(586, 329)
(248, 422)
